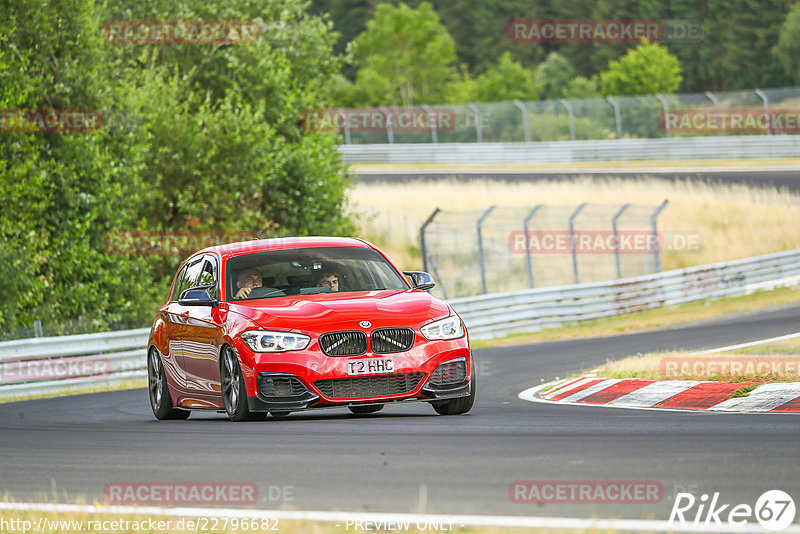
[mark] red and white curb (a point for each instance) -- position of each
(588, 389)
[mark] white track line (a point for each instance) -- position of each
(749, 344)
(413, 520)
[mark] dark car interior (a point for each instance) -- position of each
(298, 271)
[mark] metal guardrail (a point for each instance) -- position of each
(531, 310)
(74, 363)
(61, 364)
(676, 148)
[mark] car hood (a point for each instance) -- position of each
(325, 311)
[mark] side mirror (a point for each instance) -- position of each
(420, 279)
(197, 297)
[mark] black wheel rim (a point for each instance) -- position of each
(230, 381)
(155, 379)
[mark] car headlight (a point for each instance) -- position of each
(268, 341)
(447, 328)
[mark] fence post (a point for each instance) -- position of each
(664, 103)
(616, 237)
(572, 241)
(713, 98)
(37, 328)
(480, 248)
(656, 254)
(528, 259)
(526, 126)
(389, 126)
(422, 245)
(566, 104)
(438, 278)
(346, 125)
(477, 113)
(617, 116)
(432, 120)
(763, 97)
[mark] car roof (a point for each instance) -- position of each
(282, 243)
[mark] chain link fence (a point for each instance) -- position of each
(509, 248)
(769, 111)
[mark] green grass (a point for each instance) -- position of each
(743, 391)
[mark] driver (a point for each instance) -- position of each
(246, 282)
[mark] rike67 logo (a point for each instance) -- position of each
(774, 510)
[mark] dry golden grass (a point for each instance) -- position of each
(711, 164)
(732, 366)
(786, 346)
(735, 221)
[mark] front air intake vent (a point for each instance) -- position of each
(279, 386)
(371, 386)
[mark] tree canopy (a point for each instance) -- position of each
(194, 137)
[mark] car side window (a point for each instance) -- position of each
(208, 276)
(194, 269)
(176, 290)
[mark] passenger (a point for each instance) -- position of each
(328, 278)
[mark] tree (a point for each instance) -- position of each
(208, 133)
(580, 87)
(405, 56)
(508, 80)
(787, 51)
(553, 75)
(647, 69)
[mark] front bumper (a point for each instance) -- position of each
(302, 380)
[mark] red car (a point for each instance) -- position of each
(284, 325)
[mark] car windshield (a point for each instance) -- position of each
(308, 271)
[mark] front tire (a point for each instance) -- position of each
(160, 401)
(460, 405)
(234, 393)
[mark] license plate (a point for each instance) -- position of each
(370, 366)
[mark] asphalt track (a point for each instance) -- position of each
(406, 458)
(783, 178)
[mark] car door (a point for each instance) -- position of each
(173, 359)
(202, 335)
